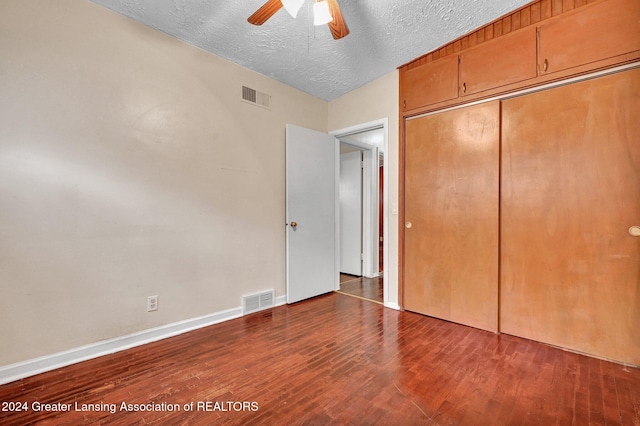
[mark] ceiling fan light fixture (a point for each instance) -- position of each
(292, 6)
(321, 13)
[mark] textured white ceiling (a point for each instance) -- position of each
(384, 35)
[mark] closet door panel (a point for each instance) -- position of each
(570, 269)
(451, 209)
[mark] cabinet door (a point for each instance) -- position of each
(570, 268)
(505, 60)
(596, 32)
(451, 209)
(429, 83)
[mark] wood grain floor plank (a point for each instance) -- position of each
(339, 360)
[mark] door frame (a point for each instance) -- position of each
(369, 210)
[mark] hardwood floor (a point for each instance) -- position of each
(367, 288)
(337, 359)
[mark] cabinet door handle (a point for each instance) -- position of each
(404, 104)
(545, 65)
(464, 87)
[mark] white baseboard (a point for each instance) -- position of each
(392, 305)
(20, 370)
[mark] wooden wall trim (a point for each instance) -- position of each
(528, 15)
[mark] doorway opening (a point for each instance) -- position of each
(362, 200)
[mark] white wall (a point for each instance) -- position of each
(376, 100)
(129, 167)
(351, 213)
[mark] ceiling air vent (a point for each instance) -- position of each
(255, 97)
(258, 302)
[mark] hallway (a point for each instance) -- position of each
(362, 287)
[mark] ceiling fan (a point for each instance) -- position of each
(325, 12)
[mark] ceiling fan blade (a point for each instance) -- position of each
(338, 27)
(265, 12)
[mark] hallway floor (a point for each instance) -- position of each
(366, 288)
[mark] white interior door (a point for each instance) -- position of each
(351, 213)
(311, 213)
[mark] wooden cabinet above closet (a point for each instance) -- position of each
(545, 41)
(429, 83)
(603, 30)
(509, 59)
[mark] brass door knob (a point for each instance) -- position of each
(634, 231)
(408, 225)
(294, 225)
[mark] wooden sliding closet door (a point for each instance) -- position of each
(570, 268)
(451, 213)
